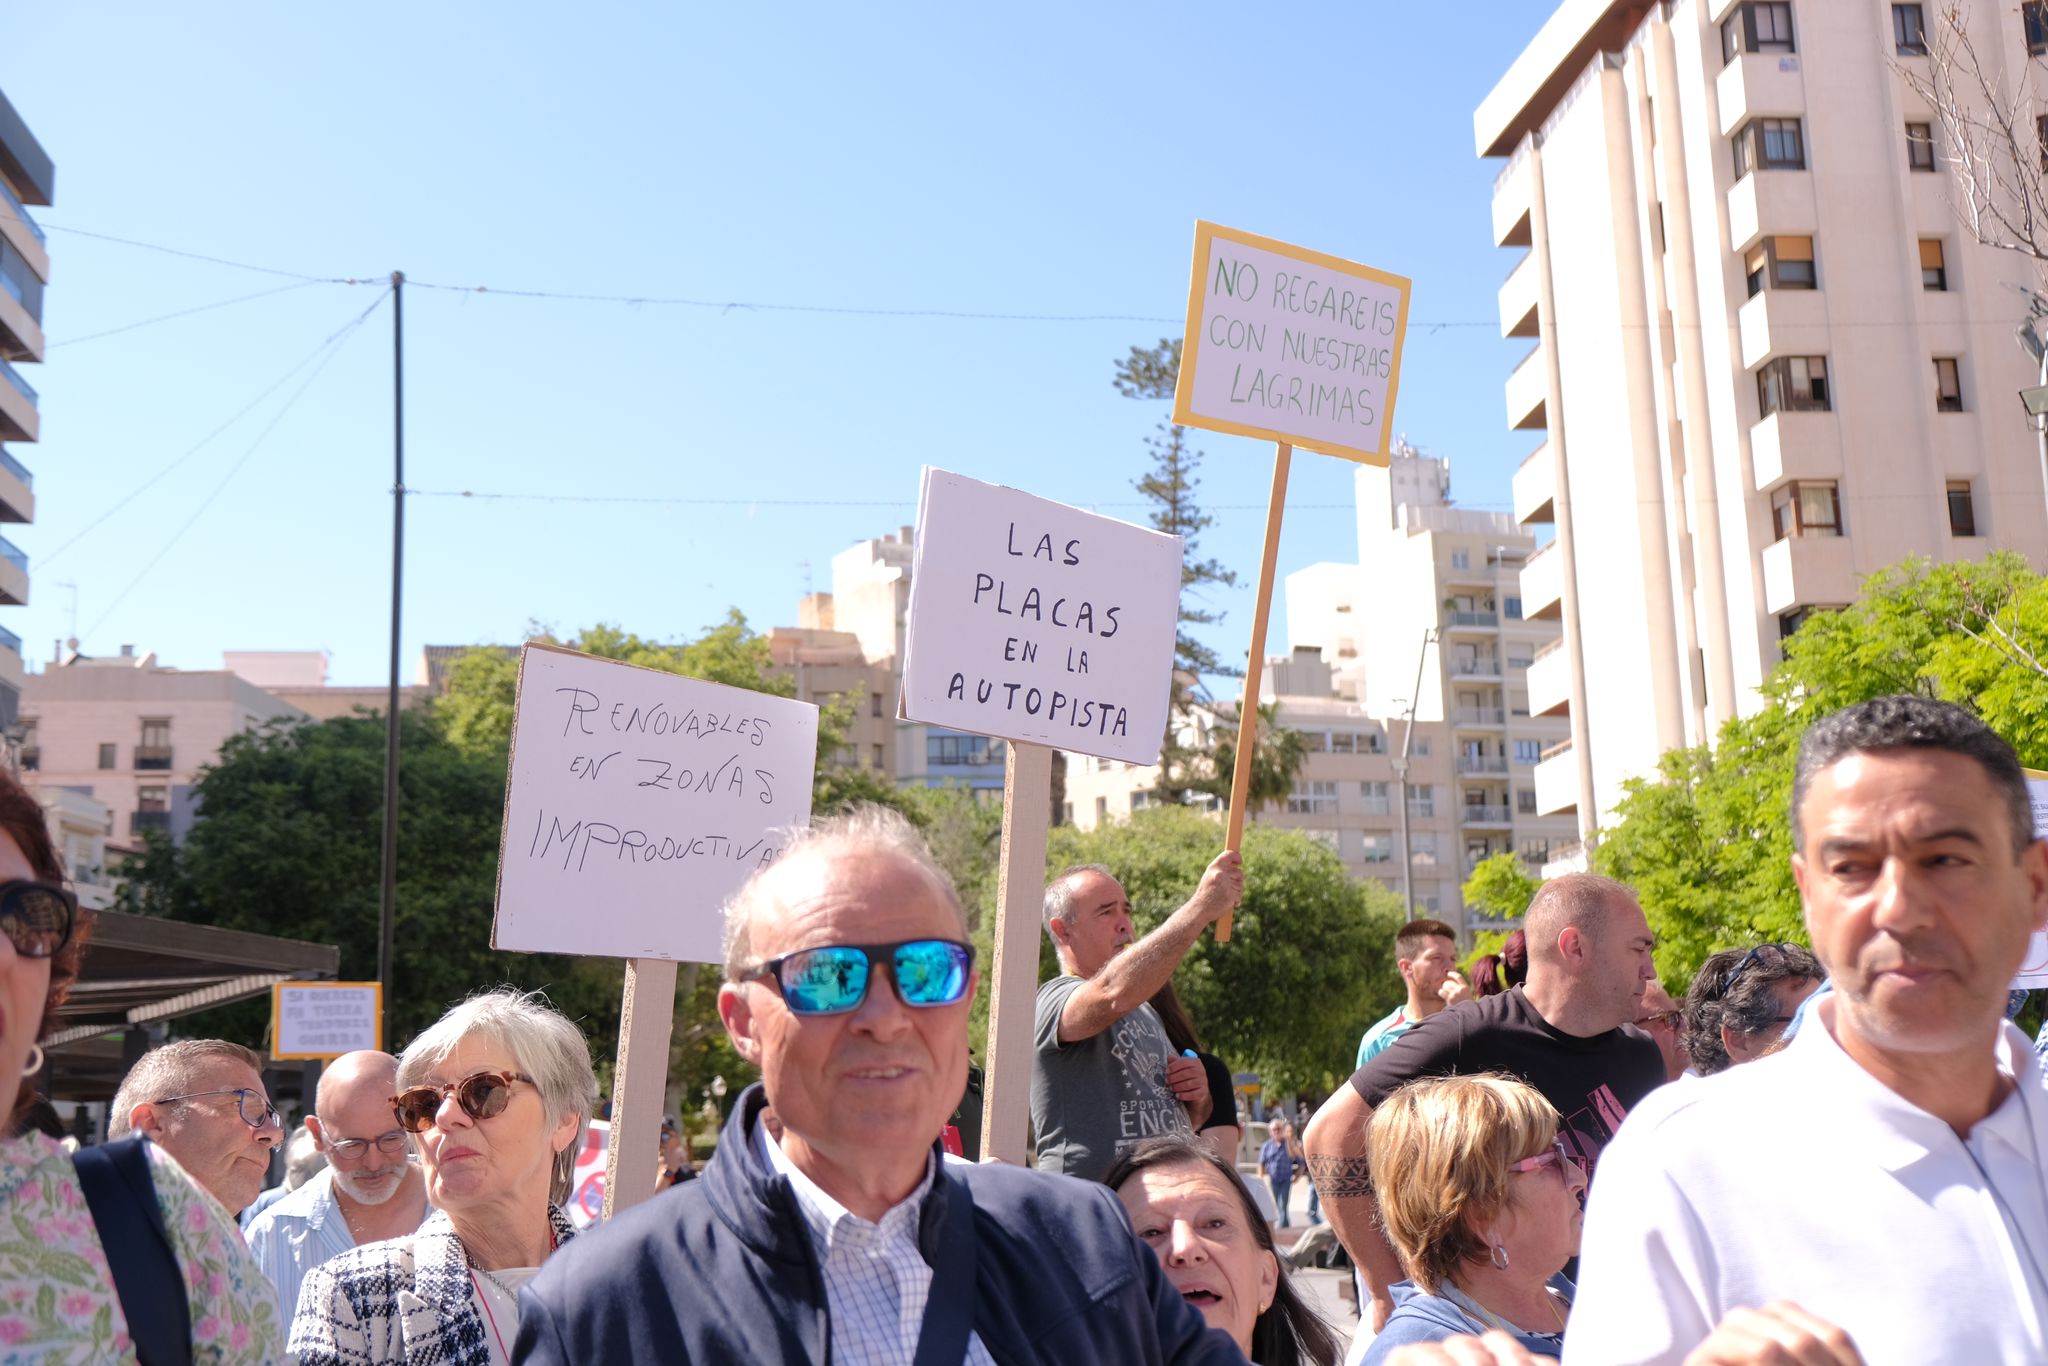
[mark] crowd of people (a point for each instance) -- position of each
(1825, 1155)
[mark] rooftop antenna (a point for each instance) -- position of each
(59, 583)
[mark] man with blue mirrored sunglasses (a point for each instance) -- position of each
(826, 1226)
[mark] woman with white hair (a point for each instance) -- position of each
(498, 1093)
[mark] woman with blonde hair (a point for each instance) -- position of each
(1482, 1200)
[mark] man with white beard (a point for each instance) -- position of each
(370, 1190)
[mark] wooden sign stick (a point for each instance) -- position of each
(1255, 666)
(640, 1084)
(1013, 990)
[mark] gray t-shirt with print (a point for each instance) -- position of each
(1094, 1097)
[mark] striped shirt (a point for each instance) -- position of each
(298, 1233)
(876, 1280)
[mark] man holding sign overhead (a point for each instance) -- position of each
(1104, 1077)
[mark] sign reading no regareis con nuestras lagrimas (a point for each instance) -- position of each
(1290, 345)
(1035, 621)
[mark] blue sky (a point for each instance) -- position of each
(879, 158)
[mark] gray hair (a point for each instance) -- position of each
(171, 1070)
(1576, 900)
(544, 1042)
(863, 829)
(1894, 723)
(302, 1158)
(1059, 893)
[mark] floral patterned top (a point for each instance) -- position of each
(57, 1300)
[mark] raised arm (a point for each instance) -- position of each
(1131, 978)
(1334, 1144)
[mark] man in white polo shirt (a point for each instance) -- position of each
(1885, 1173)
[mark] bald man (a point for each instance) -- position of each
(1568, 1031)
(370, 1190)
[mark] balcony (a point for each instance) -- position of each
(21, 304)
(155, 758)
(13, 575)
(1565, 858)
(1543, 585)
(140, 821)
(1550, 680)
(1557, 781)
(1769, 201)
(1796, 445)
(1514, 196)
(1536, 488)
(1783, 322)
(18, 418)
(1479, 668)
(1487, 815)
(1482, 765)
(12, 672)
(17, 490)
(1759, 85)
(1472, 621)
(23, 233)
(1518, 299)
(1527, 390)
(1809, 571)
(1480, 716)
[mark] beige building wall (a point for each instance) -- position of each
(1669, 478)
(827, 667)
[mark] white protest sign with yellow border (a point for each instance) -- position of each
(325, 1019)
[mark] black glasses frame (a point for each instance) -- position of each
(18, 920)
(390, 1143)
(1755, 955)
(878, 956)
(242, 1094)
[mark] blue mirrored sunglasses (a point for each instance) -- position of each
(833, 978)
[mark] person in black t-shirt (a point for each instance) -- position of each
(1565, 1031)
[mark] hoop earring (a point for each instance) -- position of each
(1500, 1257)
(35, 1060)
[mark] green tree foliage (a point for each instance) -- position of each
(1500, 888)
(1707, 842)
(1278, 755)
(1310, 962)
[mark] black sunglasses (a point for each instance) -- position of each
(833, 978)
(483, 1095)
(1755, 955)
(36, 917)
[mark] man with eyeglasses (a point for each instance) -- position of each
(826, 1227)
(1908, 1119)
(370, 1190)
(202, 1101)
(1663, 1019)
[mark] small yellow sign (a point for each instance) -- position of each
(325, 1019)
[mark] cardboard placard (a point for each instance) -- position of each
(1291, 345)
(637, 802)
(325, 1019)
(1038, 622)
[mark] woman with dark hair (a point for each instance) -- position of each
(1741, 1000)
(1495, 973)
(1220, 1130)
(196, 1294)
(1193, 1210)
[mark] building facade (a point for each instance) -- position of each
(26, 177)
(1765, 360)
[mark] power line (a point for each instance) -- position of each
(333, 346)
(201, 444)
(214, 260)
(186, 313)
(661, 501)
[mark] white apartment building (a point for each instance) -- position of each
(1766, 360)
(26, 177)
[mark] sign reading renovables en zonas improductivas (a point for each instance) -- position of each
(1290, 345)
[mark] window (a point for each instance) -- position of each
(1421, 749)
(106, 756)
(1809, 508)
(1909, 30)
(1920, 146)
(874, 704)
(1933, 265)
(1511, 607)
(1101, 810)
(1797, 384)
(1313, 799)
(1525, 801)
(1533, 849)
(1948, 385)
(1790, 622)
(1343, 742)
(1518, 702)
(877, 755)
(1378, 848)
(1780, 263)
(1757, 28)
(1461, 559)
(1770, 145)
(1374, 799)
(1422, 800)
(31, 750)
(2034, 14)
(1962, 514)
(1528, 751)
(1422, 848)
(152, 810)
(1372, 743)
(959, 749)
(2041, 136)
(153, 751)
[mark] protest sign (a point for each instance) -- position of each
(1038, 622)
(637, 802)
(1300, 348)
(325, 1019)
(2034, 971)
(1290, 345)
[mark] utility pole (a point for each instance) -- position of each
(1401, 773)
(387, 912)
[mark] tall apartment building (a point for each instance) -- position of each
(26, 177)
(1766, 360)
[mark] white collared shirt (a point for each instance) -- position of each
(1802, 1177)
(877, 1282)
(298, 1233)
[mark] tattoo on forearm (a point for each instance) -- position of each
(1340, 1178)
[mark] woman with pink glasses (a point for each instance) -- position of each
(1482, 1202)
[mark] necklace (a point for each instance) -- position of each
(1493, 1320)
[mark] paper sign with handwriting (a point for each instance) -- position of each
(325, 1019)
(1290, 345)
(638, 801)
(1036, 621)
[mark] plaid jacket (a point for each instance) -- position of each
(405, 1302)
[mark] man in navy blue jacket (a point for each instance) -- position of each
(826, 1228)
